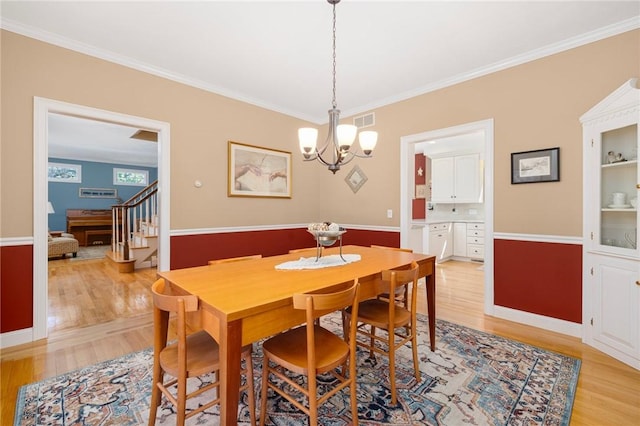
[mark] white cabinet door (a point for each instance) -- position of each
(468, 181)
(616, 312)
(442, 180)
(456, 179)
(441, 241)
(460, 239)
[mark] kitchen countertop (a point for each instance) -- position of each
(426, 222)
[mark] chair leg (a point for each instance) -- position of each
(416, 361)
(182, 400)
(312, 394)
(392, 367)
(250, 388)
(373, 342)
(263, 392)
(353, 394)
(156, 395)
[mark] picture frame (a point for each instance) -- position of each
(67, 173)
(421, 191)
(255, 171)
(355, 178)
(541, 165)
(98, 193)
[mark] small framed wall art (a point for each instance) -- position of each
(355, 178)
(542, 165)
(258, 172)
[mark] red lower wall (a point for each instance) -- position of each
(541, 278)
(197, 250)
(16, 288)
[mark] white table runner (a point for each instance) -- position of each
(323, 262)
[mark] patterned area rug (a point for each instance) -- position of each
(98, 251)
(473, 378)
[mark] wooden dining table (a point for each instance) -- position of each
(243, 302)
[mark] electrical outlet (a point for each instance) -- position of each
(389, 214)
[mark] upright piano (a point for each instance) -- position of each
(90, 227)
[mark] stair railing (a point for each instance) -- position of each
(128, 216)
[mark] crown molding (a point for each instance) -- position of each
(590, 37)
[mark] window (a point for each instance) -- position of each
(58, 172)
(130, 177)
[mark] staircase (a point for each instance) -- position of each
(134, 239)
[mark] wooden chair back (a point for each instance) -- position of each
(398, 282)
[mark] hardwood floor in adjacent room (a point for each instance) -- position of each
(96, 314)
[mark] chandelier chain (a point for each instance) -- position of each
(334, 104)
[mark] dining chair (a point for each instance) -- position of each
(401, 295)
(312, 350)
(235, 259)
(191, 355)
(398, 321)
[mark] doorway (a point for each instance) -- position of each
(407, 173)
(42, 108)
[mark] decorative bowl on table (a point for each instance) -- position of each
(326, 233)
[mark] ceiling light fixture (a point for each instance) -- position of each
(340, 137)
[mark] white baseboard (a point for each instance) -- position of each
(540, 321)
(14, 338)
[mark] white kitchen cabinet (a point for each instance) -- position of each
(611, 259)
(456, 179)
(460, 239)
(441, 240)
(475, 241)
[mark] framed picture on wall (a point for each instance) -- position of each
(542, 165)
(98, 193)
(258, 172)
(68, 173)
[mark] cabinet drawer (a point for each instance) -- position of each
(439, 227)
(475, 251)
(475, 240)
(475, 233)
(475, 226)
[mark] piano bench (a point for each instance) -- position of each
(97, 236)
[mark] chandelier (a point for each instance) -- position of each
(337, 149)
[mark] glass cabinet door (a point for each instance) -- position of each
(618, 193)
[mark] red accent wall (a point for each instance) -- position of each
(16, 288)
(541, 278)
(420, 163)
(418, 205)
(197, 250)
(419, 208)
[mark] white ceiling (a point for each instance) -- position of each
(277, 54)
(80, 139)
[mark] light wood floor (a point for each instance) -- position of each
(608, 391)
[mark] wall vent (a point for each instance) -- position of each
(366, 120)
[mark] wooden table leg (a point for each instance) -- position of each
(230, 352)
(431, 308)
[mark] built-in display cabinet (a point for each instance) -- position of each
(611, 276)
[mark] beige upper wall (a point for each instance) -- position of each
(535, 105)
